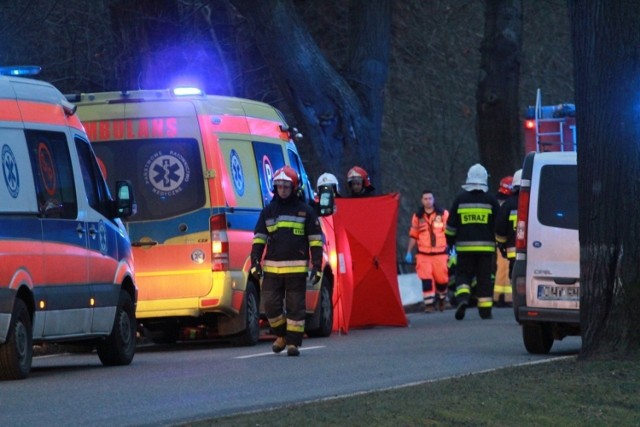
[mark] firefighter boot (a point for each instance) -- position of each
(278, 345)
(460, 311)
(292, 350)
(485, 312)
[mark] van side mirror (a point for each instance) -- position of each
(125, 202)
(327, 201)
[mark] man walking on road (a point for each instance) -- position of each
(471, 229)
(290, 229)
(427, 233)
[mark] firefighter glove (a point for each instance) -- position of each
(408, 258)
(315, 275)
(256, 271)
(503, 250)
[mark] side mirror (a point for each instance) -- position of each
(327, 201)
(125, 202)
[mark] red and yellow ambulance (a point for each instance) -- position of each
(201, 168)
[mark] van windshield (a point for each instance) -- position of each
(166, 174)
(558, 196)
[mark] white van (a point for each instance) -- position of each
(66, 266)
(546, 273)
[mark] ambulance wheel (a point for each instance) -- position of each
(537, 337)
(251, 334)
(326, 314)
(17, 351)
(120, 346)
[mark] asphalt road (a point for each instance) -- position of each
(189, 381)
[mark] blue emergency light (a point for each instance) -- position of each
(20, 70)
(187, 91)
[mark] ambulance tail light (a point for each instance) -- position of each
(529, 124)
(219, 243)
(523, 219)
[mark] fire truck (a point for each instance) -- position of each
(549, 127)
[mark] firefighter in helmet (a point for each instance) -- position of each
(471, 228)
(502, 285)
(290, 230)
(359, 183)
(506, 222)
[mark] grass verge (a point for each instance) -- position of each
(559, 393)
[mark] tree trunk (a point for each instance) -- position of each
(498, 118)
(606, 51)
(341, 116)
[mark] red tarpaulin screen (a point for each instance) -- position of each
(366, 291)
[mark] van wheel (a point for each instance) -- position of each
(251, 334)
(17, 351)
(537, 337)
(326, 314)
(120, 346)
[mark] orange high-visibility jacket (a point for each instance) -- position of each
(428, 230)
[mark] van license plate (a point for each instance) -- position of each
(558, 293)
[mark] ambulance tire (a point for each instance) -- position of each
(120, 346)
(251, 334)
(17, 351)
(325, 325)
(537, 337)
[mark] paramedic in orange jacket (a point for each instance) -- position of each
(427, 233)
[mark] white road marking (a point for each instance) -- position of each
(249, 356)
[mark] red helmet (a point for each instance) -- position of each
(506, 186)
(357, 172)
(286, 173)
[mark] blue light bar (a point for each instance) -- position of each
(187, 91)
(20, 70)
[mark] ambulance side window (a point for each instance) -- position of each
(95, 187)
(53, 174)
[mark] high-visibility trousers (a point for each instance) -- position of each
(502, 285)
(292, 289)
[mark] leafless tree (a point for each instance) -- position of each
(498, 112)
(606, 51)
(340, 112)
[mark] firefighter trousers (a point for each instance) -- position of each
(285, 293)
(479, 265)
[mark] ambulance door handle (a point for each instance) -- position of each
(93, 231)
(80, 230)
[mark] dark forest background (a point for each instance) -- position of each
(428, 137)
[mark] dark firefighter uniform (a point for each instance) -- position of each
(471, 228)
(506, 227)
(290, 229)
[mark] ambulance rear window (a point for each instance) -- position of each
(166, 174)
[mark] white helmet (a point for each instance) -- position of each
(328, 179)
(477, 177)
(517, 177)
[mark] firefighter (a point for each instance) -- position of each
(427, 233)
(359, 183)
(506, 222)
(471, 228)
(290, 230)
(502, 285)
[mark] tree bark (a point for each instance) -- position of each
(341, 116)
(498, 112)
(606, 52)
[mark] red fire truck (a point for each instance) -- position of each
(550, 127)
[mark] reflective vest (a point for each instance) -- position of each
(471, 224)
(428, 231)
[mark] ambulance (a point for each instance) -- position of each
(201, 168)
(66, 266)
